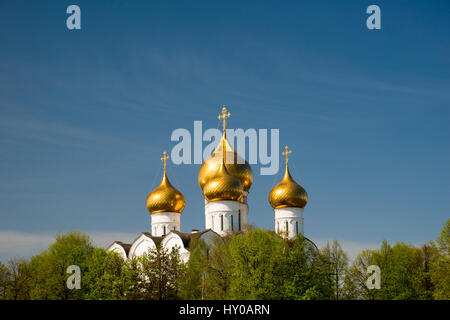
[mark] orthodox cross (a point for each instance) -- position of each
(224, 116)
(164, 159)
(286, 154)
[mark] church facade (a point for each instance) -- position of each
(225, 179)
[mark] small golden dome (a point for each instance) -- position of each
(165, 198)
(222, 186)
(235, 165)
(288, 193)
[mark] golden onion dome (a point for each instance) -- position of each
(165, 198)
(235, 165)
(222, 186)
(288, 193)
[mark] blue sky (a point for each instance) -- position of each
(85, 115)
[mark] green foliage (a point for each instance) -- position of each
(105, 276)
(48, 280)
(193, 285)
(440, 267)
(216, 276)
(14, 280)
(338, 262)
(256, 264)
(4, 275)
(305, 272)
(160, 274)
(403, 273)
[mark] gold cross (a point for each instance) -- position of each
(224, 116)
(286, 153)
(164, 158)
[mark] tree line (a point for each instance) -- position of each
(257, 264)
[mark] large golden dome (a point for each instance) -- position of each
(165, 198)
(222, 186)
(235, 165)
(288, 193)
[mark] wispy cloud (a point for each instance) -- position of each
(59, 133)
(352, 248)
(27, 244)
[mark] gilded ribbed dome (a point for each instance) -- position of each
(288, 193)
(222, 186)
(165, 198)
(235, 165)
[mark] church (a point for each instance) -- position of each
(225, 180)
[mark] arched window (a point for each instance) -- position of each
(296, 227)
(164, 230)
(221, 222)
(232, 224)
(287, 226)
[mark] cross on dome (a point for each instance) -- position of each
(224, 117)
(164, 158)
(286, 153)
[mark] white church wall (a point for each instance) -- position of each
(141, 246)
(223, 216)
(172, 241)
(164, 222)
(293, 217)
(244, 215)
(118, 249)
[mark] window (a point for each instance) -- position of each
(296, 227)
(221, 223)
(164, 230)
(239, 222)
(232, 224)
(287, 227)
